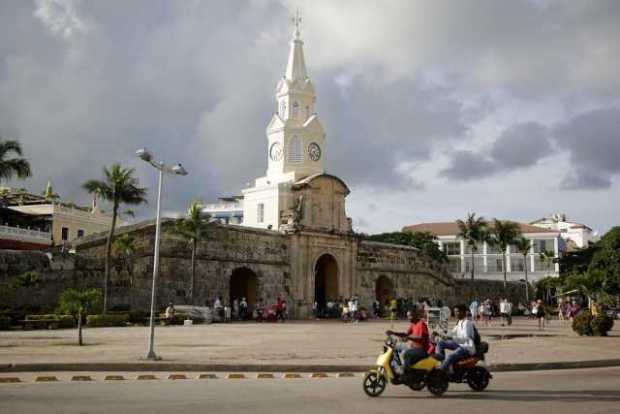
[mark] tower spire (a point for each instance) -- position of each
(296, 67)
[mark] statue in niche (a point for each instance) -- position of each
(298, 209)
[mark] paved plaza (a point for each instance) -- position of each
(295, 342)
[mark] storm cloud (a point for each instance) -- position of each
(415, 96)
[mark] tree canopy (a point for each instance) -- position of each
(424, 241)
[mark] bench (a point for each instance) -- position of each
(40, 323)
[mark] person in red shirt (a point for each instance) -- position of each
(418, 345)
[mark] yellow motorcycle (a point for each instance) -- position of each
(424, 373)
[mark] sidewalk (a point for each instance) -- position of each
(296, 343)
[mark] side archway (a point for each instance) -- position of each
(384, 289)
(325, 280)
(244, 284)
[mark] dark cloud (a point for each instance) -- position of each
(585, 180)
(592, 140)
(520, 146)
(467, 165)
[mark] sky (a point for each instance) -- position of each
(432, 109)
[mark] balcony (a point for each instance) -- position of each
(25, 235)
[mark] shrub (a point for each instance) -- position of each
(601, 325)
(107, 320)
(581, 323)
(138, 316)
(5, 323)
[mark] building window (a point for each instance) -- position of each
(282, 109)
(295, 150)
(64, 233)
(260, 213)
(80, 233)
(295, 109)
(544, 245)
(452, 248)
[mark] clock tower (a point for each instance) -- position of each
(296, 193)
(295, 136)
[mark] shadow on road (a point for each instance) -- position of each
(532, 395)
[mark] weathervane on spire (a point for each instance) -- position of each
(296, 20)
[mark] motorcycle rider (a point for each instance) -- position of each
(418, 345)
(461, 341)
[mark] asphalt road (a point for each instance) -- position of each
(560, 391)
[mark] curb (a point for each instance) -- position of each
(288, 368)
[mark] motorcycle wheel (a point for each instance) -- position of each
(478, 378)
(374, 384)
(437, 382)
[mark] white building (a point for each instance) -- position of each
(295, 189)
(488, 259)
(227, 210)
(575, 234)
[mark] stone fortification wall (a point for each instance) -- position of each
(279, 264)
(409, 272)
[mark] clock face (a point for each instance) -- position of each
(275, 152)
(314, 151)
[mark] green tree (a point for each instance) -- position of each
(523, 245)
(606, 260)
(193, 228)
(124, 246)
(76, 303)
(426, 242)
(11, 167)
(473, 230)
(503, 233)
(119, 186)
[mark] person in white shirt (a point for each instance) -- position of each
(461, 341)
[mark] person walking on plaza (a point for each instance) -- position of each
(235, 309)
(243, 309)
(473, 309)
(539, 308)
(505, 309)
(486, 312)
(280, 307)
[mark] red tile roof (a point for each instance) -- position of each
(451, 228)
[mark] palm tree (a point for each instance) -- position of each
(11, 167)
(119, 186)
(125, 246)
(523, 245)
(503, 234)
(473, 230)
(76, 302)
(193, 228)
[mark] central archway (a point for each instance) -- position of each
(325, 280)
(243, 284)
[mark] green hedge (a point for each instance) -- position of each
(5, 323)
(107, 320)
(66, 321)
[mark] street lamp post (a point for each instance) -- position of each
(178, 169)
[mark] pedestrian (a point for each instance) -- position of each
(279, 309)
(235, 309)
(473, 309)
(539, 308)
(170, 314)
(243, 309)
(376, 308)
(486, 312)
(508, 307)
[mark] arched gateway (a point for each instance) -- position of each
(384, 289)
(325, 280)
(244, 284)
